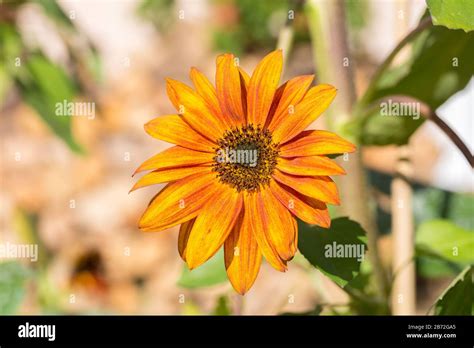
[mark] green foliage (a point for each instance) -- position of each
(315, 311)
(42, 84)
(53, 11)
(454, 14)
(447, 240)
(222, 306)
(432, 203)
(315, 242)
(442, 248)
(252, 31)
(458, 298)
(439, 66)
(10, 49)
(13, 277)
(210, 273)
(160, 13)
(356, 12)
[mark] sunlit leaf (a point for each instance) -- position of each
(443, 238)
(337, 252)
(454, 14)
(439, 66)
(458, 298)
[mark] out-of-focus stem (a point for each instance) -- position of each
(326, 20)
(285, 40)
(403, 234)
(286, 34)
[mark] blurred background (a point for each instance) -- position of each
(65, 180)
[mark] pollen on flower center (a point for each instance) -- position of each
(246, 157)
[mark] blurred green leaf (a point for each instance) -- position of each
(443, 238)
(439, 66)
(315, 311)
(384, 130)
(255, 28)
(322, 248)
(160, 13)
(11, 46)
(13, 277)
(454, 14)
(210, 273)
(42, 85)
(458, 298)
(433, 266)
(10, 50)
(222, 307)
(55, 12)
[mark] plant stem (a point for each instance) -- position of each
(403, 234)
(326, 21)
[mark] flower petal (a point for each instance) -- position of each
(178, 202)
(184, 232)
(195, 111)
(213, 225)
(307, 209)
(242, 255)
(205, 89)
(173, 129)
(309, 166)
(316, 142)
(308, 110)
(320, 187)
(262, 87)
(229, 90)
(176, 156)
(252, 205)
(169, 174)
(277, 223)
(288, 94)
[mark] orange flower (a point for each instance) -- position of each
(243, 166)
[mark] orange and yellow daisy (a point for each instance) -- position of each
(243, 166)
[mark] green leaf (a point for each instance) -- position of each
(210, 273)
(337, 252)
(439, 66)
(42, 85)
(454, 14)
(222, 306)
(11, 46)
(445, 239)
(458, 298)
(314, 312)
(56, 13)
(13, 277)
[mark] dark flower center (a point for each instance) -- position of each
(246, 158)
